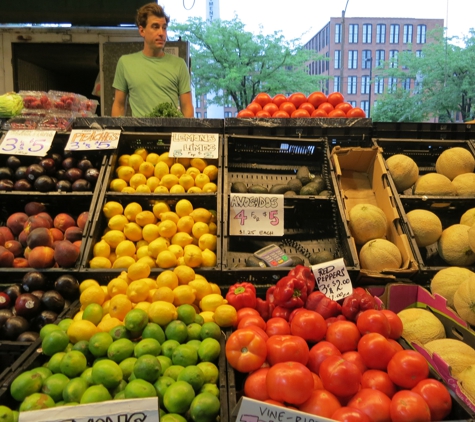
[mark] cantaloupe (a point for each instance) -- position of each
(468, 217)
(464, 300)
(453, 246)
(426, 226)
(466, 379)
(367, 222)
(447, 280)
(465, 184)
(404, 171)
(434, 184)
(380, 255)
(457, 354)
(420, 325)
(455, 161)
(471, 238)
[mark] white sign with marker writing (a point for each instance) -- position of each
(87, 139)
(27, 142)
(333, 279)
(191, 145)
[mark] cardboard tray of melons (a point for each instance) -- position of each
(312, 221)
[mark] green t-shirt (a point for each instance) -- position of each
(149, 81)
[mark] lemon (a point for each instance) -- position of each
(116, 286)
(113, 238)
(194, 189)
(142, 189)
(137, 179)
(168, 279)
(150, 233)
(163, 293)
(208, 241)
(181, 238)
(202, 288)
(143, 305)
(146, 169)
(137, 291)
(186, 181)
(117, 185)
(211, 171)
(225, 315)
(142, 252)
(202, 215)
(142, 152)
(108, 324)
(193, 172)
(177, 169)
(177, 189)
(160, 207)
(135, 160)
(131, 210)
(153, 182)
(207, 316)
(215, 288)
(184, 294)
(177, 250)
(148, 260)
(211, 302)
(158, 245)
(125, 172)
(200, 180)
(101, 249)
(93, 294)
(117, 222)
(167, 159)
(192, 256)
(183, 207)
(125, 248)
(152, 157)
(161, 169)
(166, 259)
(112, 208)
(137, 271)
(199, 229)
(160, 189)
(169, 180)
(133, 231)
(145, 217)
(210, 187)
(128, 189)
(120, 305)
(184, 274)
(87, 283)
(112, 257)
(213, 228)
(123, 262)
(167, 228)
(169, 215)
(185, 224)
(81, 330)
(162, 313)
(199, 163)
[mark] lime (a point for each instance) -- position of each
(6, 414)
(176, 330)
(209, 350)
(120, 349)
(107, 373)
(139, 388)
(119, 388)
(74, 390)
(178, 397)
(99, 343)
(185, 355)
(54, 385)
(43, 371)
(27, 383)
(168, 346)
(186, 313)
(36, 401)
(194, 343)
(87, 375)
(147, 367)
(119, 332)
(194, 331)
(210, 388)
(165, 362)
(210, 329)
(199, 319)
(65, 323)
(147, 346)
(95, 394)
(54, 364)
(172, 371)
(153, 330)
(93, 312)
(136, 320)
(172, 417)
(127, 366)
(210, 371)
(73, 364)
(54, 342)
(83, 347)
(120, 395)
(193, 376)
(48, 328)
(205, 407)
(161, 386)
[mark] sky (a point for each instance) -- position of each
(304, 18)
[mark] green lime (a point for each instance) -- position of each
(54, 385)
(161, 386)
(36, 401)
(120, 395)
(127, 366)
(210, 388)
(194, 343)
(178, 397)
(168, 346)
(74, 390)
(65, 323)
(172, 417)
(73, 364)
(48, 328)
(210, 371)
(107, 372)
(147, 346)
(193, 331)
(87, 376)
(172, 371)
(136, 320)
(209, 350)
(210, 329)
(54, 342)
(193, 376)
(139, 388)
(54, 364)
(186, 313)
(119, 388)
(6, 414)
(119, 332)
(147, 367)
(205, 407)
(93, 312)
(26, 383)
(153, 330)
(199, 319)
(99, 343)
(83, 347)
(185, 355)
(68, 348)
(95, 394)
(165, 362)
(120, 349)
(176, 330)
(43, 371)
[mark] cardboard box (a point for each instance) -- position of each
(362, 179)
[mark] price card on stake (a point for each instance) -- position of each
(256, 215)
(27, 142)
(191, 145)
(333, 279)
(87, 139)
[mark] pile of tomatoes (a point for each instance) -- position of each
(298, 105)
(345, 370)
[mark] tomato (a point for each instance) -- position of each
(335, 98)
(271, 108)
(407, 406)
(326, 106)
(344, 335)
(263, 113)
(255, 385)
(373, 403)
(307, 106)
(319, 113)
(254, 107)
(246, 350)
(316, 98)
(252, 320)
(309, 325)
(436, 396)
(319, 352)
(376, 351)
(262, 98)
(281, 312)
(320, 403)
(373, 321)
(275, 403)
(289, 382)
(281, 114)
(288, 107)
(245, 113)
(340, 376)
(396, 346)
(356, 112)
(294, 312)
(277, 325)
(297, 98)
(348, 414)
(394, 322)
(244, 312)
(259, 331)
(317, 382)
(355, 357)
(283, 348)
(344, 106)
(337, 113)
(300, 113)
(378, 380)
(279, 99)
(407, 367)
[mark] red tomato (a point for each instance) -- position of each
(297, 98)
(396, 346)
(281, 114)
(309, 325)
(245, 113)
(277, 325)
(407, 367)
(271, 108)
(344, 335)
(376, 351)
(407, 406)
(340, 376)
(373, 403)
(307, 106)
(436, 396)
(320, 403)
(252, 320)
(293, 312)
(317, 382)
(255, 385)
(373, 321)
(246, 351)
(244, 312)
(263, 113)
(343, 107)
(335, 98)
(326, 106)
(254, 107)
(316, 98)
(356, 112)
(336, 113)
(259, 331)
(355, 357)
(289, 382)
(395, 323)
(281, 312)
(288, 107)
(348, 414)
(275, 403)
(300, 113)
(319, 352)
(319, 113)
(378, 380)
(279, 99)
(263, 98)
(284, 348)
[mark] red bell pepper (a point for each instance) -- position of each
(305, 273)
(264, 308)
(326, 307)
(331, 320)
(360, 300)
(242, 295)
(281, 312)
(290, 292)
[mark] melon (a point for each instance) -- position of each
(468, 217)
(367, 222)
(380, 255)
(425, 225)
(434, 184)
(471, 238)
(403, 170)
(453, 246)
(420, 325)
(457, 354)
(447, 280)
(455, 161)
(465, 184)
(467, 382)
(464, 300)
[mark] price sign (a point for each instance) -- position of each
(191, 145)
(107, 411)
(333, 279)
(256, 215)
(27, 142)
(91, 139)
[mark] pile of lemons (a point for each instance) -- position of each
(158, 237)
(145, 172)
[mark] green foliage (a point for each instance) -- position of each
(165, 110)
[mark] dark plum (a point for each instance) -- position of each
(84, 164)
(69, 163)
(14, 326)
(22, 185)
(27, 305)
(92, 175)
(63, 186)
(34, 280)
(73, 174)
(28, 336)
(81, 185)
(34, 171)
(20, 172)
(48, 164)
(44, 183)
(6, 184)
(6, 173)
(13, 162)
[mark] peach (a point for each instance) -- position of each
(7, 233)
(20, 263)
(47, 216)
(57, 234)
(35, 222)
(73, 233)
(16, 221)
(6, 257)
(2, 239)
(78, 244)
(63, 221)
(66, 254)
(41, 257)
(33, 208)
(23, 237)
(40, 237)
(82, 219)
(15, 247)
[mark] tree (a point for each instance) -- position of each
(229, 61)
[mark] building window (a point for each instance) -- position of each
(406, 84)
(393, 58)
(337, 59)
(379, 57)
(198, 102)
(353, 59)
(394, 34)
(352, 84)
(338, 33)
(352, 103)
(365, 84)
(366, 59)
(419, 53)
(367, 33)
(198, 115)
(421, 34)
(336, 84)
(228, 114)
(380, 33)
(379, 85)
(392, 84)
(364, 105)
(353, 33)
(206, 115)
(407, 35)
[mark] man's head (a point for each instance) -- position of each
(150, 9)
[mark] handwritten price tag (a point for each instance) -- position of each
(27, 142)
(256, 215)
(251, 410)
(333, 279)
(87, 139)
(190, 145)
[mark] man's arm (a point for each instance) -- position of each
(186, 105)
(118, 107)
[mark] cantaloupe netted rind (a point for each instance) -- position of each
(425, 225)
(464, 300)
(447, 280)
(455, 161)
(434, 184)
(465, 184)
(467, 382)
(380, 255)
(420, 325)
(403, 170)
(453, 246)
(468, 217)
(367, 222)
(457, 354)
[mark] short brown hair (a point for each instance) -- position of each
(150, 9)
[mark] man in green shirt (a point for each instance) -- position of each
(151, 76)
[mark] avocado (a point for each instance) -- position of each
(325, 193)
(318, 180)
(303, 174)
(279, 189)
(297, 260)
(252, 261)
(239, 187)
(295, 185)
(290, 193)
(320, 257)
(257, 189)
(309, 189)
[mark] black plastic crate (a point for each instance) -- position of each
(421, 130)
